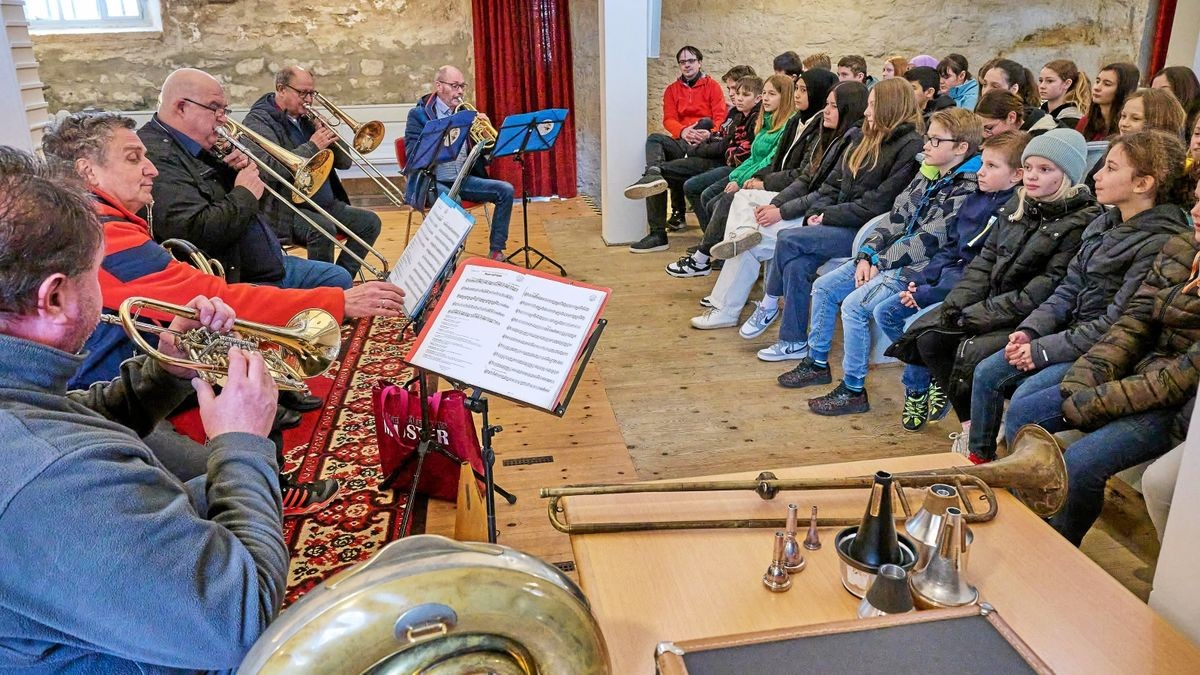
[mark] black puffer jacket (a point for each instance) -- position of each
(790, 199)
(793, 155)
(849, 201)
(1019, 267)
(1111, 264)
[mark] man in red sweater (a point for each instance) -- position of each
(110, 158)
(693, 106)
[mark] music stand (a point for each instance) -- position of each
(520, 134)
(441, 140)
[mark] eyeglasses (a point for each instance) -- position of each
(214, 108)
(688, 62)
(304, 93)
(458, 86)
(935, 141)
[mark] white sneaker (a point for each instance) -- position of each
(705, 302)
(714, 318)
(959, 443)
(784, 351)
(743, 240)
(759, 321)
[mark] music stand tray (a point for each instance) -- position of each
(521, 134)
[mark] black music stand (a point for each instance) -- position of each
(520, 134)
(441, 140)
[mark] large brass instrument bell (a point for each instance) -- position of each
(205, 264)
(427, 604)
(1035, 473)
(310, 173)
(367, 137)
(482, 132)
(305, 348)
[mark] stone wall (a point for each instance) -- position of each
(1032, 32)
(362, 51)
(585, 47)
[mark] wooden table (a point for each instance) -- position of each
(653, 586)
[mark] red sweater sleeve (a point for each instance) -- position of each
(134, 265)
(671, 121)
(716, 102)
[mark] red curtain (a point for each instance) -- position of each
(1162, 38)
(523, 64)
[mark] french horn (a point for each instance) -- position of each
(428, 604)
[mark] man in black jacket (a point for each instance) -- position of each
(281, 117)
(213, 203)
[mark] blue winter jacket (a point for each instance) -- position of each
(965, 95)
(418, 184)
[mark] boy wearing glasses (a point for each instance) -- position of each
(693, 106)
(902, 246)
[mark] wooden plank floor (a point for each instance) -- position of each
(662, 400)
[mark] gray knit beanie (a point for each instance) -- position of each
(1066, 148)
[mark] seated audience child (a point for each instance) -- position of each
(731, 78)
(707, 162)
(788, 63)
(818, 61)
(1181, 81)
(1132, 390)
(1001, 111)
(1065, 90)
(853, 68)
(894, 66)
(1023, 259)
(999, 174)
(1010, 76)
(925, 82)
(1114, 83)
(864, 185)
(956, 81)
(918, 227)
(1153, 109)
(1140, 179)
(799, 149)
(745, 247)
(1193, 158)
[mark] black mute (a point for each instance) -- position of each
(876, 543)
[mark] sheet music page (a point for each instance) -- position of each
(439, 236)
(510, 332)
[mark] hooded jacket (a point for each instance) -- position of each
(1111, 265)
(791, 200)
(731, 143)
(417, 188)
(1150, 358)
(761, 151)
(1067, 114)
(921, 219)
(1037, 122)
(850, 201)
(685, 104)
(134, 265)
(965, 95)
(268, 119)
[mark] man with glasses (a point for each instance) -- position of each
(214, 202)
(693, 106)
(282, 118)
(449, 90)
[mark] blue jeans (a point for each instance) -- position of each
(495, 192)
(1095, 458)
(891, 315)
(798, 254)
(996, 380)
(835, 288)
(301, 273)
(702, 192)
(1038, 400)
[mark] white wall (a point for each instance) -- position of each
(1184, 49)
(624, 29)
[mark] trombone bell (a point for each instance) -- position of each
(310, 173)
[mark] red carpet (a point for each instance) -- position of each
(338, 441)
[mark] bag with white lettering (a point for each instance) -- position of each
(398, 431)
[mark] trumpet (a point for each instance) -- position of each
(484, 135)
(1035, 472)
(367, 137)
(210, 266)
(305, 348)
(300, 188)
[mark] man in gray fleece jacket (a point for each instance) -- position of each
(111, 564)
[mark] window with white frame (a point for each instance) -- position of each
(92, 15)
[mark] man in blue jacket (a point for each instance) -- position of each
(449, 89)
(110, 564)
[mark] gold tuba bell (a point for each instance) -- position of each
(428, 604)
(482, 132)
(305, 348)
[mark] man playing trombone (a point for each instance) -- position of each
(449, 89)
(283, 118)
(188, 575)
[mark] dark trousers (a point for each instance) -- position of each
(704, 190)
(938, 352)
(660, 149)
(677, 172)
(799, 251)
(364, 223)
(714, 232)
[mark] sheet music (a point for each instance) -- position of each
(439, 236)
(510, 332)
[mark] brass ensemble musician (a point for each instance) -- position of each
(449, 91)
(110, 563)
(281, 116)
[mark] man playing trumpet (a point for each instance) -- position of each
(449, 89)
(188, 575)
(282, 117)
